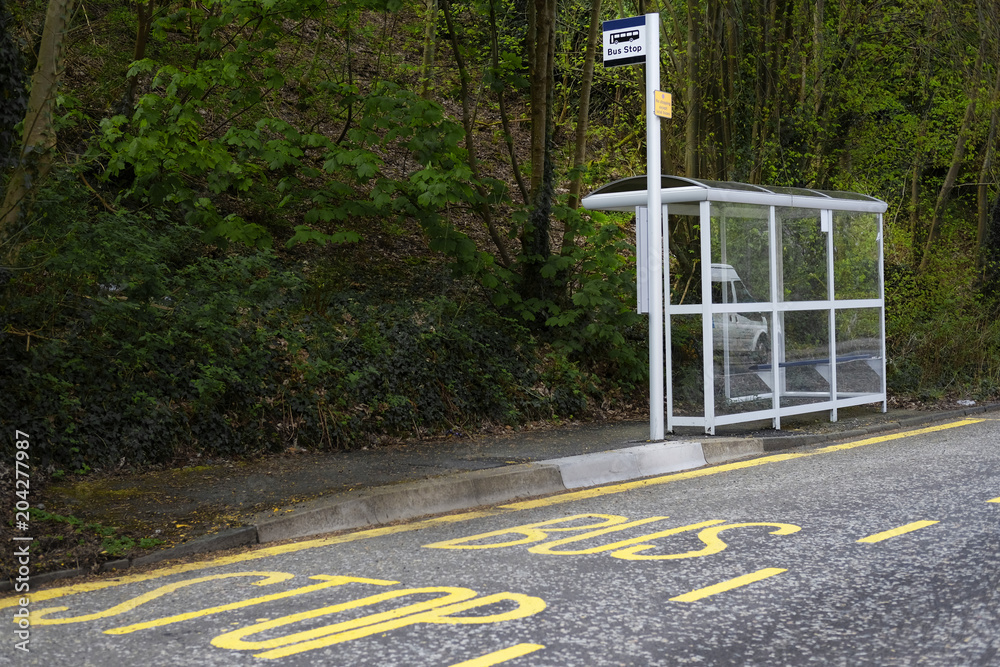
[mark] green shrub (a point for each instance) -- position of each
(942, 339)
(146, 345)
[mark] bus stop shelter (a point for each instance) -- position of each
(773, 298)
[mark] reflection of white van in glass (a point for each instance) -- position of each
(744, 332)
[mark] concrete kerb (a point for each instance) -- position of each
(629, 463)
(410, 500)
(493, 486)
(227, 539)
(729, 449)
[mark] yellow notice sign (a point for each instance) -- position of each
(663, 105)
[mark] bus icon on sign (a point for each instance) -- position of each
(624, 36)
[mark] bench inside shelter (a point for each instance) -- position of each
(821, 366)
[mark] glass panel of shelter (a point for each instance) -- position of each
(686, 397)
(859, 352)
(740, 251)
(741, 333)
(803, 244)
(855, 251)
(743, 378)
(683, 229)
(804, 372)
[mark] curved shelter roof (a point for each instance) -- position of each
(627, 193)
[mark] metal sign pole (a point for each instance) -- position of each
(654, 245)
(633, 41)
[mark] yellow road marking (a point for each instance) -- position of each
(531, 532)
(267, 578)
(448, 595)
(547, 547)
(329, 582)
(503, 655)
(611, 489)
(266, 552)
(902, 530)
(309, 640)
(896, 436)
(994, 500)
(729, 585)
(710, 536)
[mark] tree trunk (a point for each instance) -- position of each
(582, 120)
(541, 87)
(730, 66)
(918, 172)
(430, 41)
(983, 190)
(144, 16)
(504, 117)
(819, 19)
(920, 143)
(535, 243)
(956, 164)
(763, 97)
(39, 134)
(483, 206)
(693, 103)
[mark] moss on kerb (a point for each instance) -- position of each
(149, 485)
(96, 490)
(188, 470)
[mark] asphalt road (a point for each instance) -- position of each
(884, 551)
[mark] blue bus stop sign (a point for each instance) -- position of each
(625, 42)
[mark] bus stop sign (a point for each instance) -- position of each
(625, 42)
